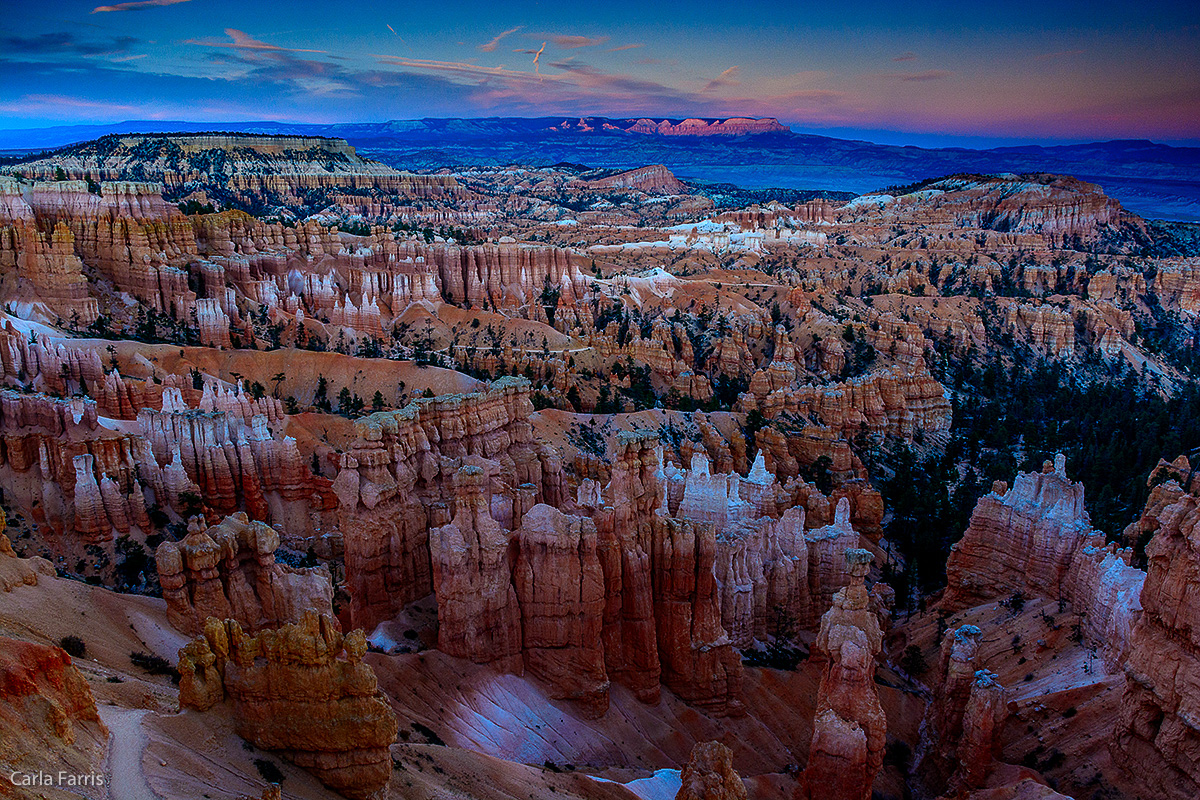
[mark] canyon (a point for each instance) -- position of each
(326, 478)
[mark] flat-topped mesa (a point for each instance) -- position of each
(395, 483)
(479, 617)
(247, 163)
(303, 691)
(733, 126)
(1036, 538)
(655, 179)
(229, 571)
(850, 728)
(1157, 736)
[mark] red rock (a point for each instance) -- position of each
(560, 586)
(850, 728)
(1156, 740)
(229, 571)
(709, 775)
(302, 691)
(478, 614)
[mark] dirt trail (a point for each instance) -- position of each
(126, 780)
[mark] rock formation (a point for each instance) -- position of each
(1157, 736)
(960, 732)
(1036, 538)
(478, 614)
(48, 717)
(229, 571)
(850, 728)
(302, 691)
(709, 775)
(15, 571)
(395, 484)
(560, 586)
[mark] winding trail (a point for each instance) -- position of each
(126, 780)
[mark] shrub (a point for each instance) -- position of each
(153, 665)
(269, 770)
(74, 646)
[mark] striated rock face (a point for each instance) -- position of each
(850, 728)
(656, 179)
(396, 483)
(302, 691)
(1157, 735)
(698, 660)
(229, 571)
(44, 704)
(1037, 538)
(709, 775)
(560, 586)
(478, 615)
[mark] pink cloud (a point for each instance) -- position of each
(489, 47)
(137, 5)
(573, 42)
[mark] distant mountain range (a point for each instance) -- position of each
(1151, 179)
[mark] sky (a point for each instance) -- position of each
(896, 72)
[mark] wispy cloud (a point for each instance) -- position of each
(244, 41)
(137, 5)
(921, 77)
(624, 47)
(48, 44)
(726, 78)
(906, 56)
(489, 47)
(573, 42)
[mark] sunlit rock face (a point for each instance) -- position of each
(301, 690)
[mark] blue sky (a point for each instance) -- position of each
(924, 73)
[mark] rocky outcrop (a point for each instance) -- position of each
(850, 728)
(1036, 538)
(15, 571)
(229, 571)
(733, 126)
(709, 775)
(654, 179)
(395, 484)
(302, 691)
(960, 732)
(48, 717)
(560, 586)
(478, 615)
(1157, 735)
